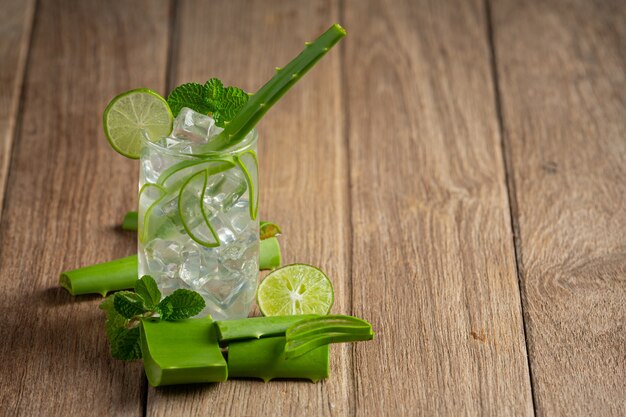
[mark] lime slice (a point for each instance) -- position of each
(295, 289)
(133, 114)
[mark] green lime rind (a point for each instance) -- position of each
(295, 289)
(328, 324)
(249, 165)
(133, 114)
(175, 175)
(143, 193)
(186, 222)
(299, 347)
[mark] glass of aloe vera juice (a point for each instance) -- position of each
(198, 215)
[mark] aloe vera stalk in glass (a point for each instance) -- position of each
(198, 225)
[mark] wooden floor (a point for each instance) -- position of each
(457, 167)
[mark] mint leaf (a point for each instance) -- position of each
(230, 105)
(181, 304)
(188, 95)
(128, 304)
(213, 93)
(147, 288)
(123, 341)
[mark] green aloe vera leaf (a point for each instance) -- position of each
(257, 327)
(301, 346)
(130, 221)
(173, 177)
(269, 229)
(306, 335)
(249, 165)
(269, 254)
(181, 352)
(121, 274)
(261, 101)
(101, 278)
(327, 324)
(192, 196)
(265, 359)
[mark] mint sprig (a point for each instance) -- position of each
(212, 98)
(125, 309)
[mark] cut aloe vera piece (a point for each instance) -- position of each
(149, 195)
(270, 257)
(310, 334)
(130, 222)
(265, 359)
(257, 327)
(249, 165)
(192, 212)
(102, 278)
(181, 352)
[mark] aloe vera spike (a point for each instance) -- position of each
(121, 274)
(327, 324)
(269, 254)
(181, 352)
(261, 101)
(265, 359)
(101, 278)
(257, 327)
(130, 221)
(301, 346)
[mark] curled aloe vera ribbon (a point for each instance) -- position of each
(310, 334)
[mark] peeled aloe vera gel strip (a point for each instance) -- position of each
(181, 352)
(257, 327)
(265, 359)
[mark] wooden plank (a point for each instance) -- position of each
(303, 176)
(434, 266)
(17, 16)
(562, 74)
(66, 192)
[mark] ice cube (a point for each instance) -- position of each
(190, 267)
(193, 126)
(224, 190)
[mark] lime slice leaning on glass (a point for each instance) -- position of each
(133, 114)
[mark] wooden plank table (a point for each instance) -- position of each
(458, 168)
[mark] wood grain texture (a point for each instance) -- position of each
(66, 193)
(433, 255)
(15, 28)
(303, 177)
(562, 67)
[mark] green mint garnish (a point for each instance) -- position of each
(125, 309)
(212, 98)
(181, 304)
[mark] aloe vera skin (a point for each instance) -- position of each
(130, 222)
(257, 327)
(269, 254)
(265, 359)
(306, 335)
(181, 352)
(261, 101)
(101, 278)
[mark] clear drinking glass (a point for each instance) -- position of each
(198, 222)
